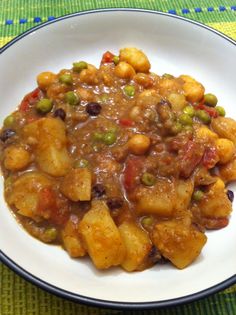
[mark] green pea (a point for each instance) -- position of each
(185, 119)
(188, 128)
(116, 60)
(44, 105)
(81, 163)
(98, 136)
(176, 128)
(104, 98)
(189, 110)
(198, 195)
(167, 76)
(109, 138)
(50, 235)
(72, 98)
(220, 110)
(66, 78)
(8, 121)
(147, 221)
(129, 90)
(148, 179)
(210, 100)
(203, 116)
(79, 66)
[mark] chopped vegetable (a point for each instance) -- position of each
(220, 110)
(66, 79)
(72, 98)
(44, 105)
(203, 116)
(148, 179)
(109, 138)
(79, 66)
(129, 90)
(210, 100)
(185, 119)
(198, 195)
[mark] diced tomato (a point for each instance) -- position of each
(126, 122)
(190, 157)
(49, 207)
(211, 111)
(215, 223)
(107, 57)
(133, 169)
(210, 157)
(29, 99)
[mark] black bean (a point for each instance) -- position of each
(84, 205)
(114, 203)
(98, 190)
(60, 113)
(93, 109)
(155, 256)
(230, 195)
(6, 134)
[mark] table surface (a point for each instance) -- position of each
(19, 297)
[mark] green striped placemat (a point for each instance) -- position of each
(17, 296)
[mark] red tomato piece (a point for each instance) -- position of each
(190, 157)
(210, 157)
(107, 57)
(52, 208)
(211, 111)
(126, 122)
(29, 99)
(132, 172)
(215, 223)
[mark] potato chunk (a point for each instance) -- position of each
(76, 185)
(159, 200)
(181, 244)
(184, 190)
(16, 158)
(102, 237)
(137, 243)
(228, 171)
(50, 145)
(225, 127)
(71, 238)
(215, 202)
(136, 58)
(25, 193)
(225, 150)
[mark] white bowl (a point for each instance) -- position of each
(174, 45)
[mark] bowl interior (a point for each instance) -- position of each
(174, 46)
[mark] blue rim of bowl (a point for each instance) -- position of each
(89, 300)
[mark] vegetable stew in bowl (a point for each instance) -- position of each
(118, 163)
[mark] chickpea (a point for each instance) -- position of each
(194, 91)
(139, 144)
(148, 98)
(124, 70)
(136, 58)
(89, 75)
(16, 158)
(144, 79)
(177, 101)
(135, 113)
(203, 133)
(225, 150)
(45, 79)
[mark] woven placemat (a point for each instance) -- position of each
(19, 297)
